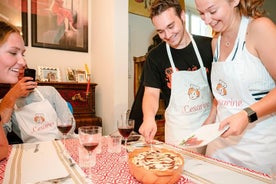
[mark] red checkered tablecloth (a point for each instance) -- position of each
(197, 168)
(108, 168)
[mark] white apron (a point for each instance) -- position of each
(190, 101)
(232, 82)
(37, 121)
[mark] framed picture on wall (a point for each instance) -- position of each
(15, 12)
(49, 74)
(60, 24)
(142, 7)
(139, 7)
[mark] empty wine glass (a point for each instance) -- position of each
(89, 137)
(64, 127)
(125, 127)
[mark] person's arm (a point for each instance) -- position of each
(61, 107)
(150, 107)
(260, 42)
(4, 145)
(212, 115)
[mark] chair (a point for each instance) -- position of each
(136, 112)
(13, 138)
(70, 107)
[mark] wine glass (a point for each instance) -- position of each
(89, 137)
(125, 127)
(64, 127)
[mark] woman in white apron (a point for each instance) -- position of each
(9, 62)
(240, 79)
(37, 121)
(36, 110)
(255, 148)
(190, 101)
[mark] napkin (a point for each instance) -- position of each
(27, 166)
(200, 171)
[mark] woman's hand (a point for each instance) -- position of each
(237, 124)
(23, 87)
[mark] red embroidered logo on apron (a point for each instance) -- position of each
(39, 118)
(221, 88)
(193, 92)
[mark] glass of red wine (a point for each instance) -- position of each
(64, 127)
(125, 127)
(89, 137)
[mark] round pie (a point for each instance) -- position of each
(160, 166)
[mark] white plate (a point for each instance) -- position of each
(203, 136)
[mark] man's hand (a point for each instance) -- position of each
(148, 129)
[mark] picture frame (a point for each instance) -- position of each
(61, 26)
(71, 74)
(49, 74)
(81, 76)
(142, 7)
(16, 13)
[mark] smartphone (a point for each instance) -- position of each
(30, 73)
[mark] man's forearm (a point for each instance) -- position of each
(150, 108)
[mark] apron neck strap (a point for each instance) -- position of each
(239, 42)
(170, 56)
(195, 49)
(39, 93)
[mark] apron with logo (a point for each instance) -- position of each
(190, 101)
(232, 82)
(37, 121)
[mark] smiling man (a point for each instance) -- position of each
(177, 67)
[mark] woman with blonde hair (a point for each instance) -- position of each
(11, 60)
(244, 62)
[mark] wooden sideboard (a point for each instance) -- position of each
(75, 93)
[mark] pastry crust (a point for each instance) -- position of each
(164, 166)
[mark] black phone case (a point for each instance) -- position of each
(30, 73)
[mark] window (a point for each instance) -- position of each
(196, 25)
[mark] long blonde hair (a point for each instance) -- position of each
(251, 8)
(5, 30)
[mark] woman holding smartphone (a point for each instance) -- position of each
(11, 60)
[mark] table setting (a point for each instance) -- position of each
(44, 162)
(68, 161)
